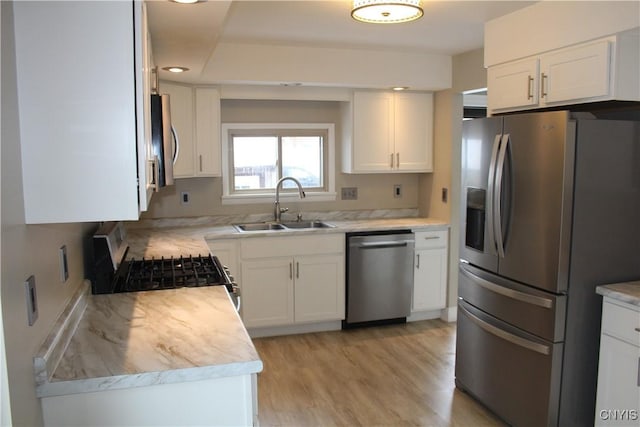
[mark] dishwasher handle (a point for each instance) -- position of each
(382, 244)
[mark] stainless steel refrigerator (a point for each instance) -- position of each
(550, 210)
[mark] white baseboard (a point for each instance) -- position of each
(449, 314)
(416, 316)
(294, 329)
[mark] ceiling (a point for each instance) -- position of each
(187, 35)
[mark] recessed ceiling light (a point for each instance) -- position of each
(176, 69)
(186, 1)
(400, 88)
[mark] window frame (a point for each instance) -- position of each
(229, 196)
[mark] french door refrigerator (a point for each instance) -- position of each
(550, 210)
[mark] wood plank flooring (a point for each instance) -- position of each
(398, 375)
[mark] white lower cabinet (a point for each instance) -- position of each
(227, 401)
(430, 271)
(289, 280)
(618, 396)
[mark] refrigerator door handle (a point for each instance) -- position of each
(514, 339)
(509, 293)
(491, 195)
(497, 197)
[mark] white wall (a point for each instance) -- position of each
(28, 250)
(549, 25)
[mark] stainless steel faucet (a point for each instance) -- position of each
(277, 210)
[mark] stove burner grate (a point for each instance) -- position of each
(171, 273)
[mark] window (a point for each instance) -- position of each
(256, 156)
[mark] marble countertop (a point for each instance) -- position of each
(187, 239)
(147, 338)
(628, 292)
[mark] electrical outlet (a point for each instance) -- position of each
(185, 198)
(445, 195)
(397, 191)
(349, 193)
(64, 264)
(32, 300)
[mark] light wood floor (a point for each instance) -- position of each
(400, 375)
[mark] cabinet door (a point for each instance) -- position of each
(512, 85)
(575, 73)
(430, 279)
(143, 62)
(79, 126)
(319, 288)
(267, 292)
(618, 383)
(413, 124)
(373, 130)
(181, 98)
(208, 149)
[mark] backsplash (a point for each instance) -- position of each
(218, 220)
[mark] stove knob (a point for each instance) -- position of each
(233, 279)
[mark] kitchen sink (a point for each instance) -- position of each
(274, 226)
(307, 224)
(261, 226)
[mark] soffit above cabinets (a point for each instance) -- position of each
(189, 36)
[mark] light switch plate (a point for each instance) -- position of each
(349, 193)
(32, 300)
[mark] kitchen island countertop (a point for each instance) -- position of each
(139, 339)
(628, 292)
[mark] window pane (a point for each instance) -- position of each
(255, 162)
(302, 159)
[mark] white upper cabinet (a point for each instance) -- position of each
(514, 84)
(386, 132)
(601, 70)
(208, 148)
(83, 93)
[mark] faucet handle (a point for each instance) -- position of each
(299, 217)
(283, 210)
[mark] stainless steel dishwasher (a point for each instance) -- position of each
(379, 277)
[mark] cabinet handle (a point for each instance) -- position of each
(418, 261)
(542, 80)
(391, 161)
(638, 371)
(200, 159)
(431, 237)
(398, 160)
(290, 270)
(297, 270)
(530, 88)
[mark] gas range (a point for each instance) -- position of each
(115, 273)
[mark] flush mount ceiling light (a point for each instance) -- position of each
(176, 69)
(386, 11)
(185, 1)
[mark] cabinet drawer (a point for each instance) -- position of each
(260, 247)
(431, 239)
(621, 322)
